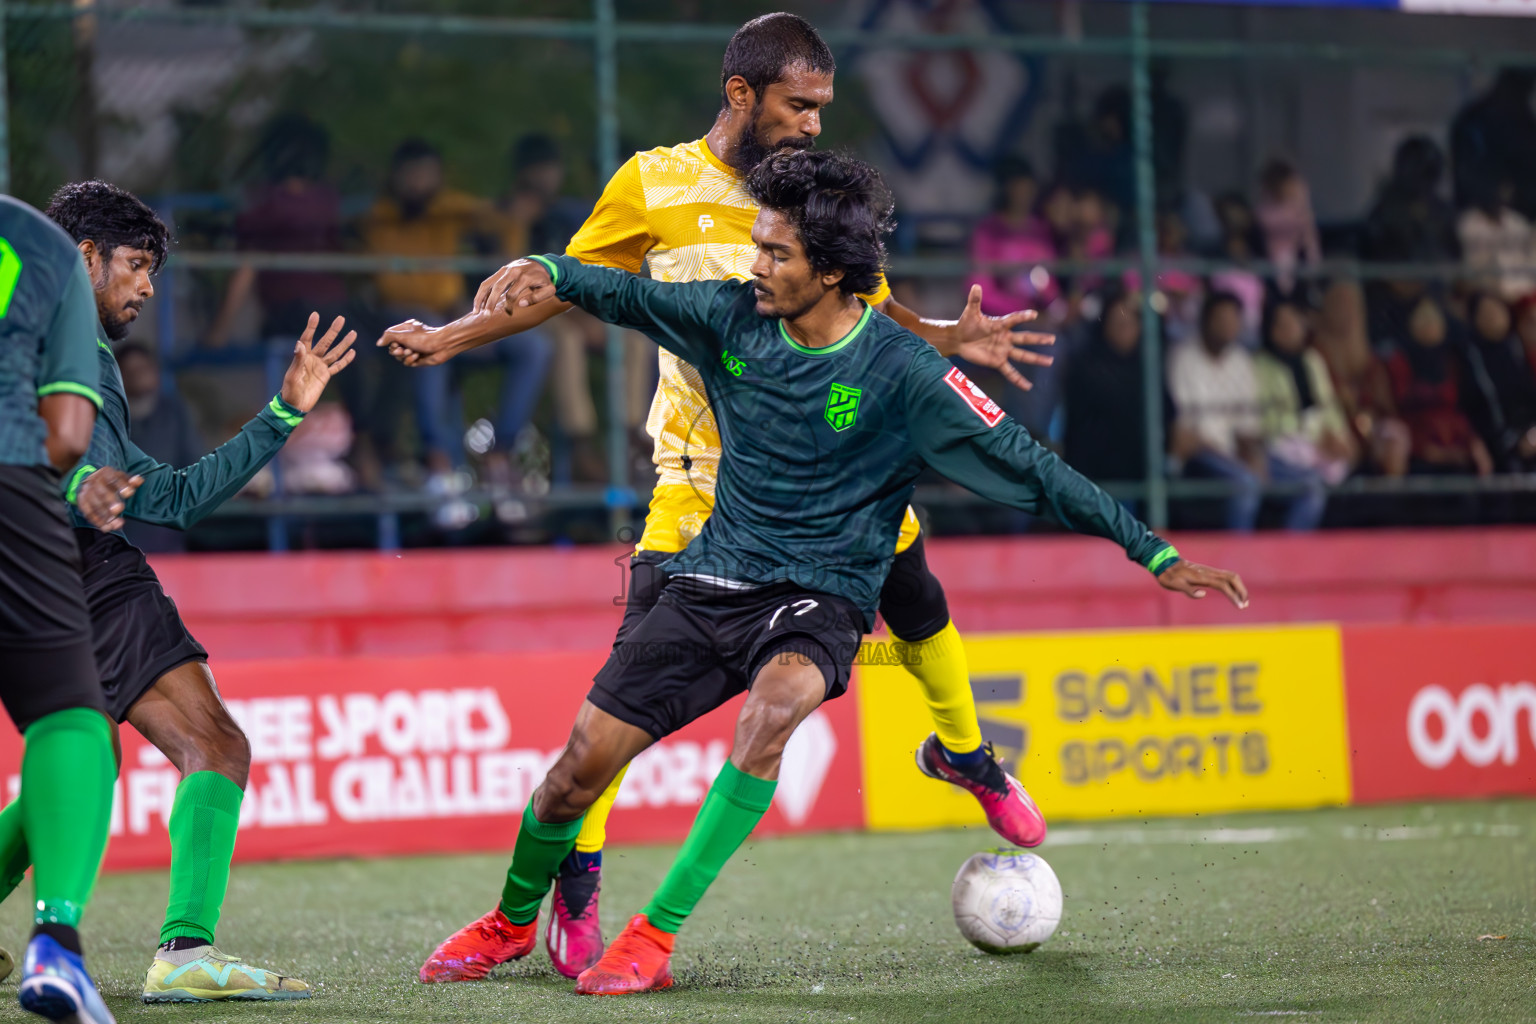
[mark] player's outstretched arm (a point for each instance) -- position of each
(979, 338)
(685, 318)
(415, 344)
(168, 496)
(963, 434)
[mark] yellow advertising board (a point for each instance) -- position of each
(1125, 723)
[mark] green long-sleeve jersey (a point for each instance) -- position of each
(170, 496)
(47, 323)
(823, 446)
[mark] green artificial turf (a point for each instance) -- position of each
(1339, 915)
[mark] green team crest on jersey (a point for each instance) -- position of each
(842, 406)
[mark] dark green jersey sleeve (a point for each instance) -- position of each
(964, 435)
(69, 364)
(682, 317)
(182, 497)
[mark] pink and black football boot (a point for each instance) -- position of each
(1010, 811)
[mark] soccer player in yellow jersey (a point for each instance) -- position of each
(684, 211)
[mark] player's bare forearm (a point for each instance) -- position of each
(415, 344)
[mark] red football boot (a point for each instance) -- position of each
(638, 961)
(470, 953)
(1010, 811)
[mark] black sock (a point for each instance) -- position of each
(63, 934)
(184, 942)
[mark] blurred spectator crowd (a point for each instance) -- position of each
(1278, 381)
(1276, 376)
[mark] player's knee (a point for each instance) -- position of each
(765, 726)
(565, 795)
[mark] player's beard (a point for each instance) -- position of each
(117, 324)
(751, 149)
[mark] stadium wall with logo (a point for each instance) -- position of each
(408, 750)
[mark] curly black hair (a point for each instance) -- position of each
(839, 206)
(111, 217)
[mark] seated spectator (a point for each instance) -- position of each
(1493, 138)
(1286, 218)
(1361, 381)
(1013, 233)
(1178, 290)
(1105, 435)
(1240, 244)
(290, 210)
(313, 459)
(1218, 433)
(538, 218)
(1080, 228)
(1497, 239)
(162, 425)
(421, 216)
(1500, 391)
(1426, 387)
(1304, 422)
(1410, 223)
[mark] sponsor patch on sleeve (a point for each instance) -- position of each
(990, 412)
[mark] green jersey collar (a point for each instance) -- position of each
(842, 342)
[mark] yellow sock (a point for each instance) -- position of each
(594, 827)
(940, 666)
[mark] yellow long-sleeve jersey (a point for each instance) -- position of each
(687, 214)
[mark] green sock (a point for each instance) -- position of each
(535, 862)
(204, 817)
(735, 804)
(15, 857)
(66, 802)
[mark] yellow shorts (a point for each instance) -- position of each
(678, 511)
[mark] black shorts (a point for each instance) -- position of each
(912, 600)
(139, 634)
(645, 582)
(46, 662)
(701, 645)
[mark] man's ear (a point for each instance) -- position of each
(92, 257)
(739, 96)
(831, 278)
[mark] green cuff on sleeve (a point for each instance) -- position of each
(65, 387)
(1162, 560)
(75, 480)
(285, 412)
(549, 265)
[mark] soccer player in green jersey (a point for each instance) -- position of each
(48, 678)
(154, 674)
(828, 412)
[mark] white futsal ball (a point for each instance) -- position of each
(1006, 901)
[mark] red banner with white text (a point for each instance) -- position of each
(384, 756)
(1441, 710)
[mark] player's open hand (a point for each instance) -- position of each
(103, 496)
(316, 362)
(992, 341)
(1197, 580)
(415, 344)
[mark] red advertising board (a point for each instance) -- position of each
(380, 756)
(1441, 710)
